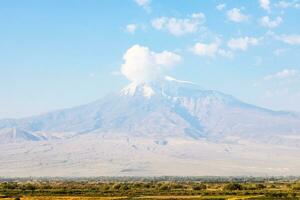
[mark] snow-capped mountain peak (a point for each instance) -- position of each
(162, 116)
(166, 87)
(138, 89)
(175, 90)
(161, 108)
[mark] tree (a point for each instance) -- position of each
(233, 186)
(199, 187)
(260, 186)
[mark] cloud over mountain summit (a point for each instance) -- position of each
(143, 65)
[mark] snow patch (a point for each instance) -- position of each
(135, 89)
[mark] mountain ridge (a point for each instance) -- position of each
(149, 129)
(159, 109)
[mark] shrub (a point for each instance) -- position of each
(233, 186)
(164, 187)
(10, 186)
(272, 186)
(260, 186)
(117, 186)
(277, 195)
(30, 186)
(124, 187)
(199, 187)
(177, 186)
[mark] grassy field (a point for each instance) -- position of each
(218, 189)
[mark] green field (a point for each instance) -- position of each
(73, 189)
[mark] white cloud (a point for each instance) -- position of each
(265, 4)
(143, 65)
(211, 50)
(131, 28)
(221, 6)
(177, 26)
(293, 39)
(283, 4)
(159, 23)
(242, 43)
(286, 73)
(224, 53)
(267, 22)
(288, 4)
(236, 15)
(198, 15)
(144, 4)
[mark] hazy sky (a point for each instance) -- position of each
(61, 53)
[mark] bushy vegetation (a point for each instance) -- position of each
(262, 189)
(233, 186)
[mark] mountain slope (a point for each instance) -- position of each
(163, 109)
(168, 127)
(9, 135)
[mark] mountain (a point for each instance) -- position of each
(162, 109)
(167, 127)
(168, 108)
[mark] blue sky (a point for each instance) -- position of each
(57, 54)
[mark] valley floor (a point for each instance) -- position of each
(100, 155)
